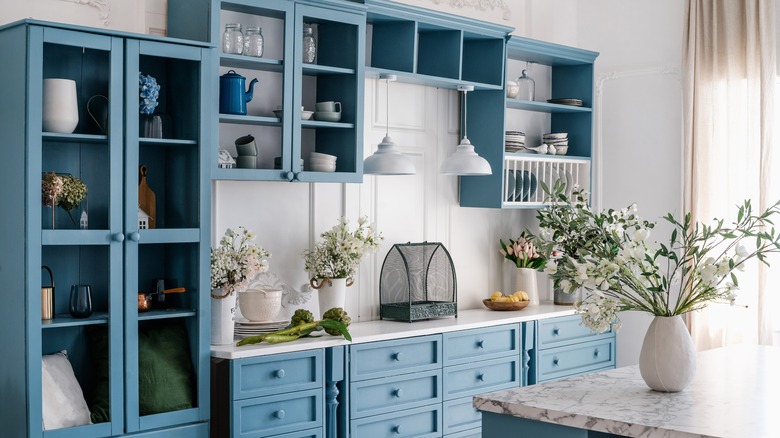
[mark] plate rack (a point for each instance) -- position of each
(523, 174)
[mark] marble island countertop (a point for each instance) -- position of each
(372, 331)
(735, 394)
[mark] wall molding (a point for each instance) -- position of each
(104, 9)
(598, 150)
(480, 5)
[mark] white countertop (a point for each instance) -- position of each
(735, 394)
(389, 329)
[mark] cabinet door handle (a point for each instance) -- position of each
(118, 237)
(481, 377)
(397, 392)
(279, 373)
(596, 352)
(290, 176)
(556, 331)
(135, 236)
(555, 361)
(481, 343)
(397, 356)
(397, 429)
(279, 414)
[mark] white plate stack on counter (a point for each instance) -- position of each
(514, 141)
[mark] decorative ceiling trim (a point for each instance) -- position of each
(481, 5)
(104, 9)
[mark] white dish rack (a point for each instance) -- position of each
(523, 174)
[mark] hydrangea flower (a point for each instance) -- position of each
(236, 260)
(338, 255)
(149, 92)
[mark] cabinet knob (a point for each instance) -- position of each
(397, 356)
(397, 429)
(135, 236)
(279, 373)
(556, 331)
(295, 176)
(397, 392)
(118, 237)
(290, 176)
(481, 377)
(279, 414)
(481, 343)
(596, 352)
(555, 361)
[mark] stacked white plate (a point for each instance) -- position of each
(566, 101)
(245, 327)
(319, 162)
(514, 141)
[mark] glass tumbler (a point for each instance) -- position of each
(233, 39)
(253, 41)
(309, 44)
(80, 301)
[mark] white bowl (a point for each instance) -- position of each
(260, 304)
(306, 115)
(561, 150)
(322, 168)
(321, 156)
(322, 162)
(556, 135)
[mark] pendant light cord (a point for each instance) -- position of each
(465, 114)
(387, 108)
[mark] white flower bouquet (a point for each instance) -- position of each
(236, 261)
(339, 254)
(609, 255)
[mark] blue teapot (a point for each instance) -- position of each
(232, 98)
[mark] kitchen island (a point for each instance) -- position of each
(735, 394)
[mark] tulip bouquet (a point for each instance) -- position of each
(523, 252)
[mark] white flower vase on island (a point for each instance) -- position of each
(333, 262)
(609, 255)
(233, 264)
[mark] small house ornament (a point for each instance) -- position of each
(225, 160)
(143, 219)
(84, 220)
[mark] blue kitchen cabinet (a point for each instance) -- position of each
(564, 348)
(113, 255)
(286, 84)
(560, 72)
(280, 395)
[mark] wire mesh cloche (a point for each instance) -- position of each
(417, 282)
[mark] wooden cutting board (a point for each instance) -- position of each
(146, 198)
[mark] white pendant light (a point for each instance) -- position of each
(465, 161)
(388, 160)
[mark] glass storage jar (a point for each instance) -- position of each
(309, 44)
(253, 41)
(233, 39)
(526, 85)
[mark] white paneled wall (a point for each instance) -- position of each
(288, 217)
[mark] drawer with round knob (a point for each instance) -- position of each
(460, 415)
(272, 415)
(424, 422)
(391, 358)
(389, 394)
(555, 363)
(480, 344)
(566, 330)
(267, 375)
(480, 377)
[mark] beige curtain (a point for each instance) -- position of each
(729, 80)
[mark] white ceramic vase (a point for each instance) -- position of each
(667, 361)
(60, 106)
(525, 280)
(223, 315)
(332, 293)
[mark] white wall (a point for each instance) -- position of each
(639, 117)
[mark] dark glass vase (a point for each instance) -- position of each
(80, 301)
